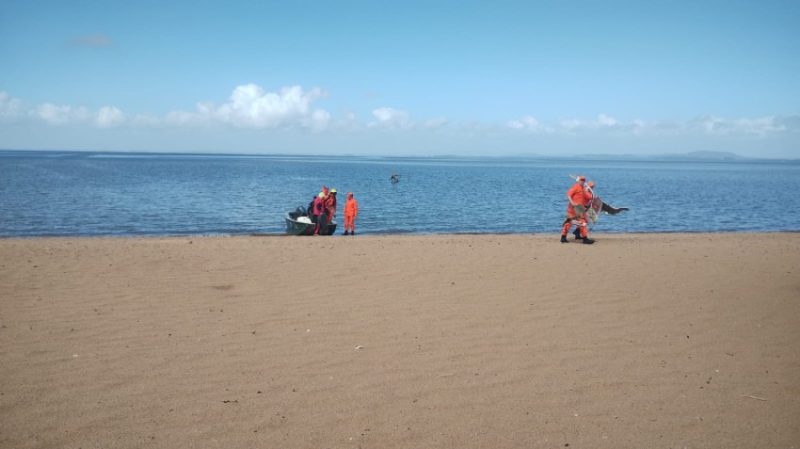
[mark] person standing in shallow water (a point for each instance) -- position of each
(350, 213)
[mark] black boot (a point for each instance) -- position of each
(564, 239)
(588, 241)
(345, 232)
(577, 234)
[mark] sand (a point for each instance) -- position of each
(464, 341)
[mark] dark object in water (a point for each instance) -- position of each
(395, 178)
(298, 222)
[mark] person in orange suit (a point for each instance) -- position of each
(588, 196)
(576, 210)
(350, 214)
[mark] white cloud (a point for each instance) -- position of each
(319, 120)
(105, 117)
(604, 120)
(705, 125)
(579, 125)
(61, 115)
(638, 127)
(391, 118)
(9, 107)
(571, 124)
(109, 116)
(250, 106)
(528, 123)
(758, 126)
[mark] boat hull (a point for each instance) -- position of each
(294, 227)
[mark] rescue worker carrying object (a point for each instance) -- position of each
(579, 198)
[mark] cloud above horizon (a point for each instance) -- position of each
(108, 117)
(105, 117)
(10, 107)
(706, 125)
(390, 118)
(250, 106)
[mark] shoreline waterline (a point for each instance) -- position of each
(380, 235)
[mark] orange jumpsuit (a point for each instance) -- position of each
(350, 213)
(579, 195)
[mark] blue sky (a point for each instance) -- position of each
(402, 78)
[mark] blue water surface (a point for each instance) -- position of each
(90, 194)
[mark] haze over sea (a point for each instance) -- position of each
(116, 194)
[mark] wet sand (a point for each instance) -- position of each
(465, 341)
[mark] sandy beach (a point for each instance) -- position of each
(463, 341)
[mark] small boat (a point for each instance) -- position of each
(298, 222)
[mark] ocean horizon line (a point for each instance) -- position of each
(692, 156)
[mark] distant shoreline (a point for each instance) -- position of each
(698, 156)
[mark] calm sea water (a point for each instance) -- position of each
(80, 194)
